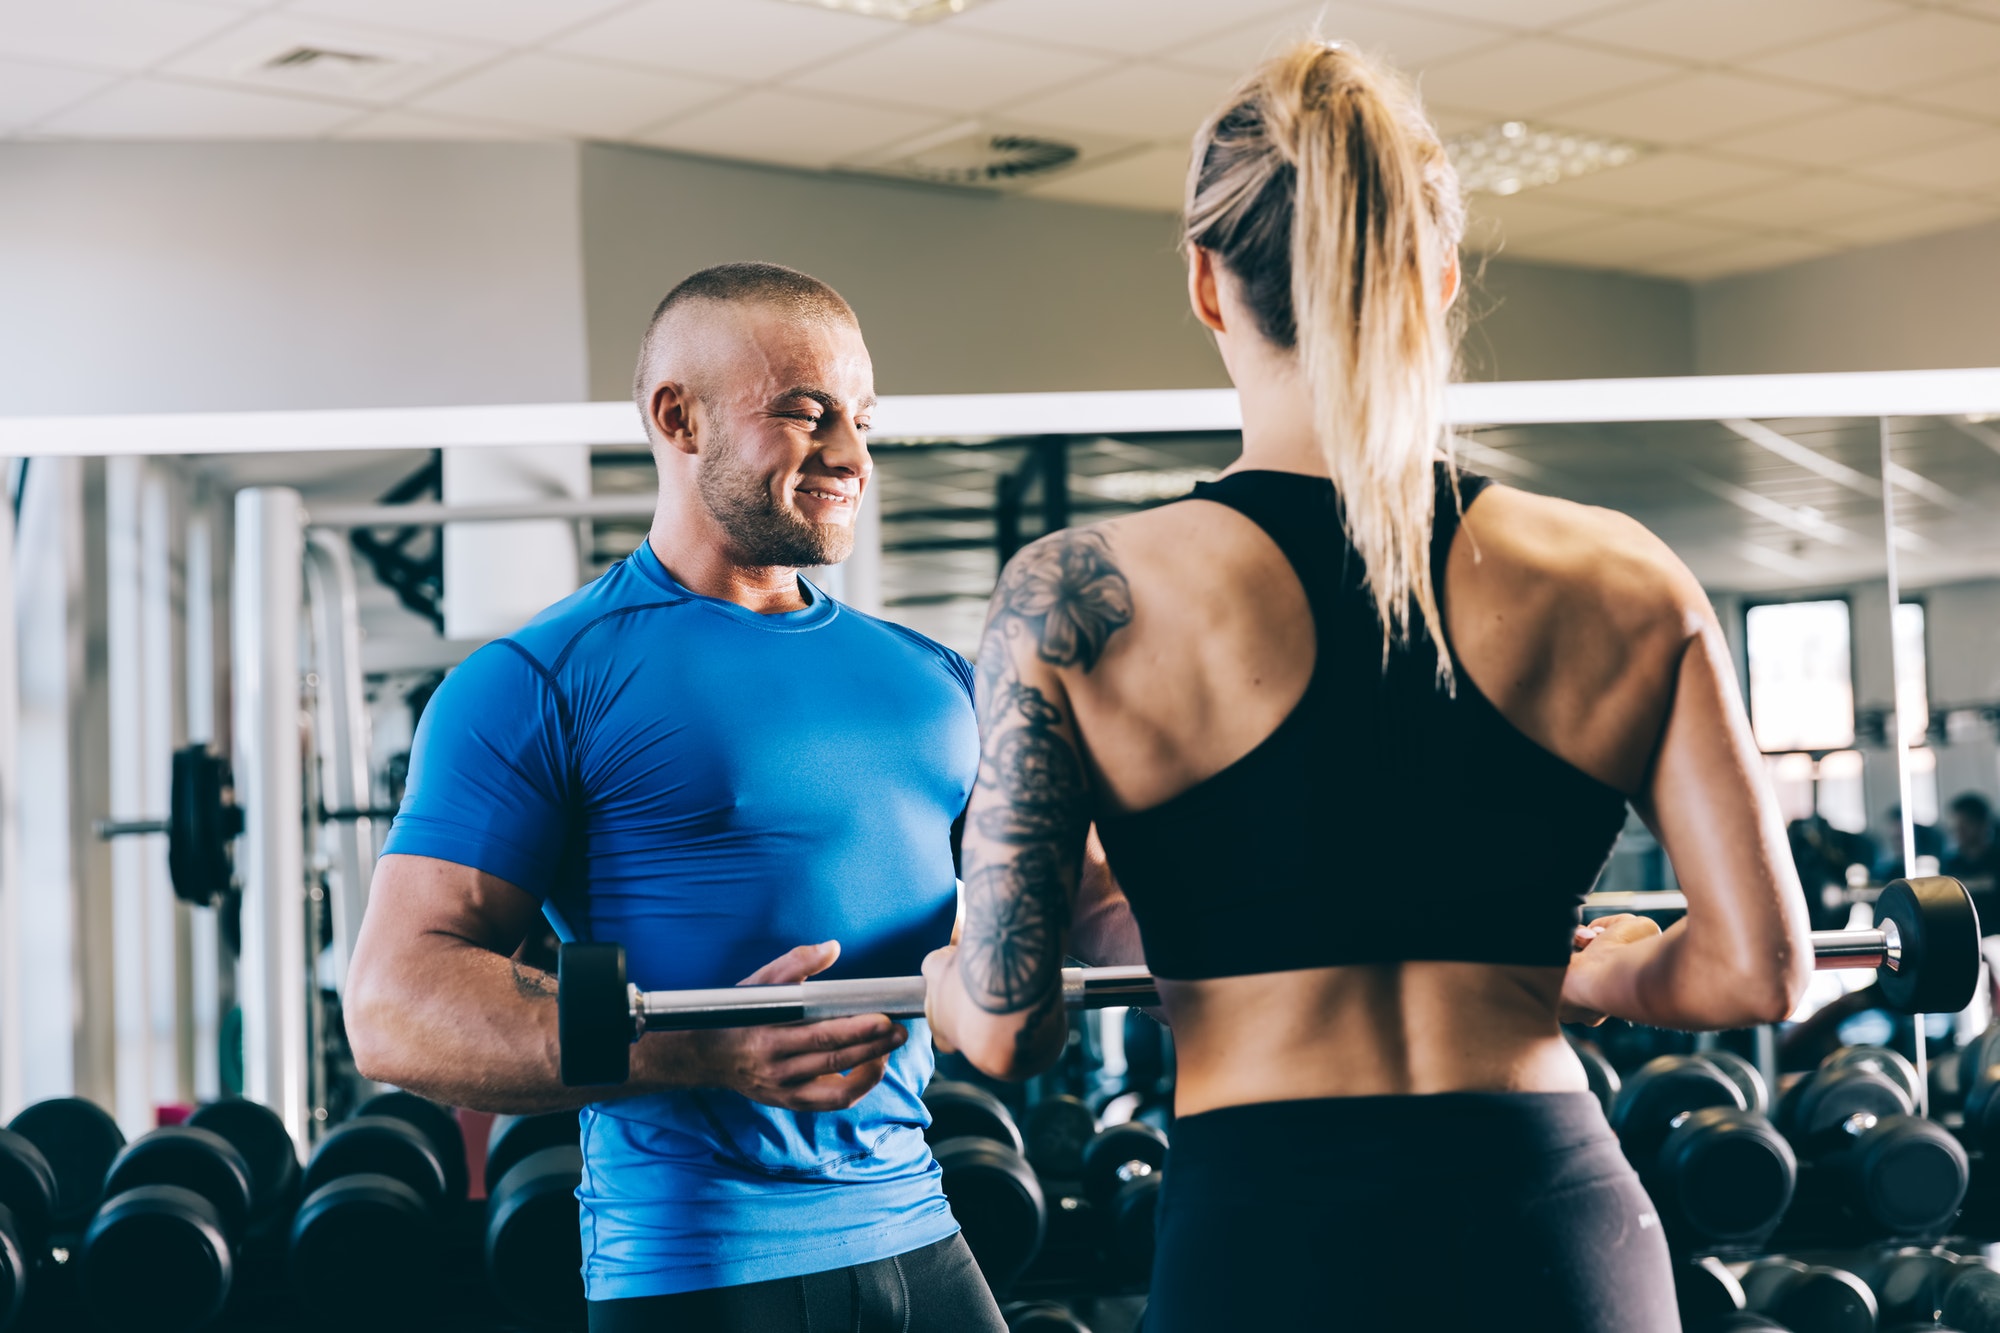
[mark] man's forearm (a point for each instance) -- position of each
(474, 1029)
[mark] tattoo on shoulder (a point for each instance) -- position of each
(531, 983)
(1069, 594)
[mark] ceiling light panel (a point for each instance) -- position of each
(1513, 156)
(899, 11)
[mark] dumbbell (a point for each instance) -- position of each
(533, 1244)
(992, 1190)
(1873, 1164)
(161, 1251)
(27, 1198)
(1756, 1092)
(1721, 1173)
(1925, 950)
(1971, 1298)
(1058, 1127)
(1042, 1317)
(1123, 1167)
(1810, 1298)
(375, 1190)
(1706, 1294)
(79, 1140)
(259, 1134)
(1598, 1069)
(1909, 1284)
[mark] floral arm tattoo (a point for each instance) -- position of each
(1059, 603)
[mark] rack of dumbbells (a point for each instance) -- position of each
(216, 1223)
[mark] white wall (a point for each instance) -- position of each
(202, 276)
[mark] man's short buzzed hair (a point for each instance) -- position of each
(798, 293)
(1972, 805)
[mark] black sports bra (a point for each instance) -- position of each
(1384, 820)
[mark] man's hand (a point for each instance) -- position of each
(938, 973)
(825, 1066)
(1597, 947)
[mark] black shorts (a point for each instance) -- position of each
(1457, 1210)
(937, 1289)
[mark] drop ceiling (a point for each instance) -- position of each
(1781, 129)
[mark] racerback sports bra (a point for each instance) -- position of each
(1384, 820)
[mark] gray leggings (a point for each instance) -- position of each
(937, 1289)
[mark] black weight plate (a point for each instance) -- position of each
(1912, 1176)
(1728, 1173)
(1704, 1288)
(998, 1203)
(1658, 1091)
(514, 1137)
(964, 1110)
(594, 1030)
(1057, 1129)
(1891, 1064)
(259, 1134)
(534, 1249)
(1827, 1300)
(1768, 1279)
(1041, 1317)
(379, 1145)
(1972, 1297)
(27, 1187)
(1746, 1076)
(1909, 1288)
(79, 1139)
(1598, 1069)
(194, 1159)
(1816, 1105)
(1134, 1224)
(13, 1271)
(438, 1124)
(157, 1257)
(1106, 1156)
(1939, 926)
(364, 1253)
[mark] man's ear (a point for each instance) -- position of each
(670, 411)
(1202, 292)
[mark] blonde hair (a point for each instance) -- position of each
(1325, 191)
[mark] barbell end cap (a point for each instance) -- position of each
(595, 1028)
(1938, 972)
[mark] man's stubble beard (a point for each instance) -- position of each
(765, 535)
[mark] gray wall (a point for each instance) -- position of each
(1911, 305)
(182, 277)
(1547, 322)
(959, 292)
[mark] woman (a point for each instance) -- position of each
(1355, 859)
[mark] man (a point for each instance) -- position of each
(1975, 855)
(703, 757)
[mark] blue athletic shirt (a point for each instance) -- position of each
(711, 787)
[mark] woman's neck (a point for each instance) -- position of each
(1279, 433)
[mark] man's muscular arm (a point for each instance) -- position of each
(435, 1004)
(997, 995)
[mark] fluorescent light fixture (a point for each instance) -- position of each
(1514, 155)
(901, 11)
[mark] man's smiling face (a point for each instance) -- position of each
(782, 426)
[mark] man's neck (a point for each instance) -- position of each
(701, 563)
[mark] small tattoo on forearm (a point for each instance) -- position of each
(531, 983)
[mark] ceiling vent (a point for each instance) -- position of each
(336, 70)
(989, 156)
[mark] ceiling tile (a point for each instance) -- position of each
(1532, 74)
(1694, 108)
(1153, 178)
(1663, 180)
(1976, 96)
(29, 92)
(508, 22)
(1926, 47)
(789, 128)
(1853, 135)
(581, 97)
(1920, 219)
(396, 123)
(1121, 27)
(1967, 165)
(239, 55)
(748, 41)
(1763, 253)
(1637, 240)
(1719, 31)
(1496, 223)
(943, 70)
(1407, 39)
(156, 109)
(1144, 101)
(1806, 204)
(1517, 14)
(107, 34)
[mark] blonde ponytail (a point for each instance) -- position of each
(1324, 190)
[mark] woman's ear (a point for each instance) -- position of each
(1449, 286)
(1202, 288)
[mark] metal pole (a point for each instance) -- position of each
(1900, 749)
(1052, 456)
(266, 600)
(346, 778)
(13, 996)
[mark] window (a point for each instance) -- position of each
(1913, 695)
(1792, 779)
(1801, 675)
(1842, 801)
(1923, 785)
